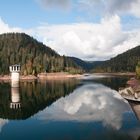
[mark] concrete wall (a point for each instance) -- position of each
(15, 76)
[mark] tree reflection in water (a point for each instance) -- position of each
(86, 109)
(30, 97)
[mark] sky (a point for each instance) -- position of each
(87, 29)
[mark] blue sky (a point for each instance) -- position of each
(29, 13)
(24, 13)
(82, 28)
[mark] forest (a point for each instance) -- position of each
(125, 62)
(33, 56)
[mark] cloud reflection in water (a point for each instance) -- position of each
(90, 102)
(2, 123)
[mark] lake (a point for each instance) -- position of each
(85, 109)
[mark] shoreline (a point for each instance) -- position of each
(117, 74)
(44, 76)
(58, 76)
(61, 75)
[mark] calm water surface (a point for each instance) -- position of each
(88, 109)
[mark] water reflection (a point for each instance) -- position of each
(27, 98)
(14, 84)
(2, 123)
(111, 82)
(99, 106)
(15, 96)
(76, 110)
(91, 102)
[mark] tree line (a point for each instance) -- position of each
(33, 56)
(125, 62)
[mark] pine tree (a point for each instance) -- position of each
(138, 70)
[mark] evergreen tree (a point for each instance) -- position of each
(138, 70)
(33, 56)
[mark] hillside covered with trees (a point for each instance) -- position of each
(125, 62)
(86, 65)
(33, 56)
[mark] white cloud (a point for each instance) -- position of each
(119, 6)
(132, 41)
(103, 7)
(88, 40)
(4, 28)
(91, 102)
(135, 8)
(53, 4)
(111, 7)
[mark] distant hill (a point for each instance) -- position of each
(125, 62)
(86, 65)
(34, 57)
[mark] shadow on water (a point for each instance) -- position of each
(111, 82)
(31, 97)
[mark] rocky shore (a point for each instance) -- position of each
(132, 90)
(134, 83)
